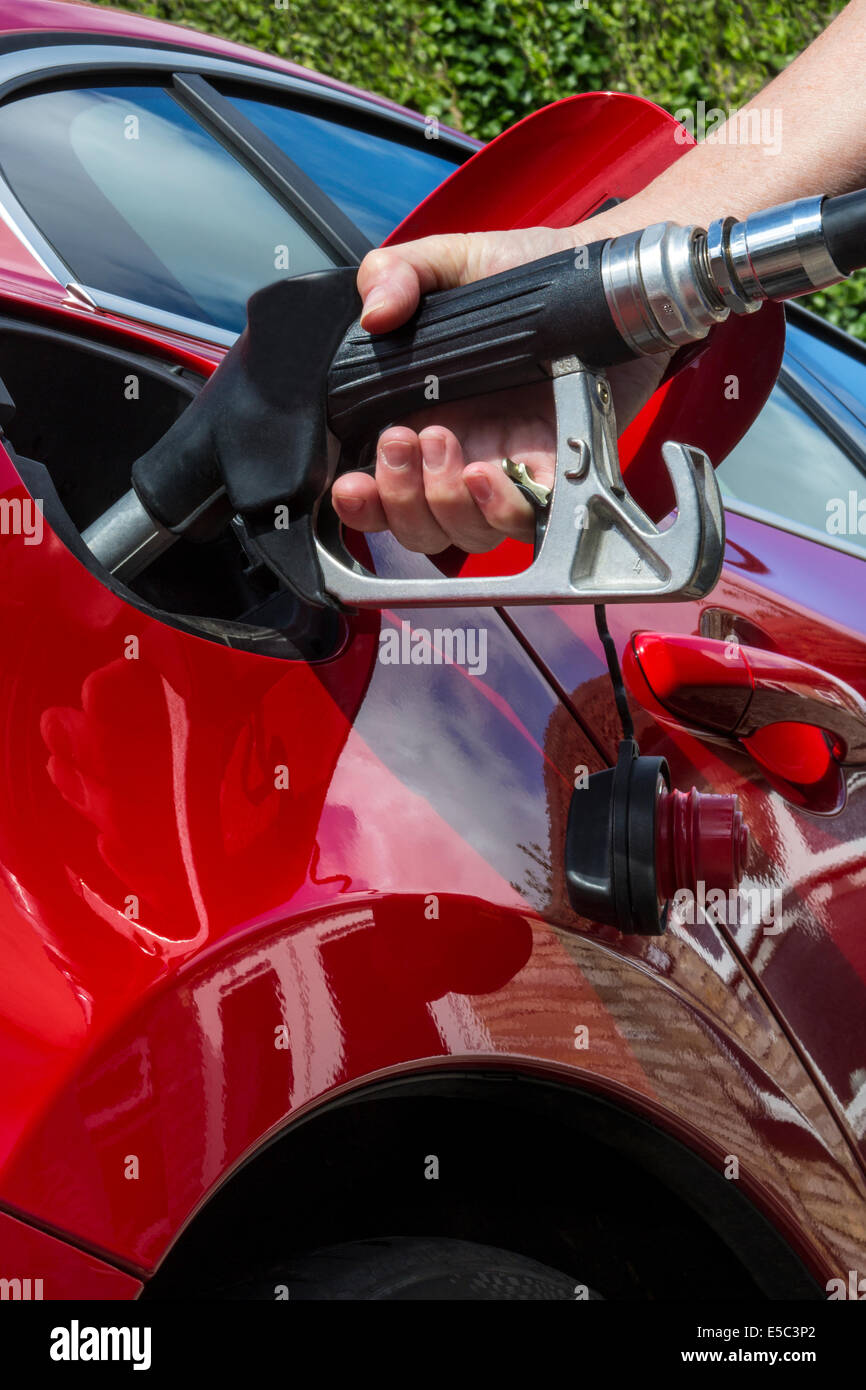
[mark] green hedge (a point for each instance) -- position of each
(482, 64)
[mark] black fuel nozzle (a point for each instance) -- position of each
(304, 373)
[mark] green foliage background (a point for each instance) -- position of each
(482, 64)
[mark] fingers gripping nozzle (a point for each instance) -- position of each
(305, 388)
(594, 544)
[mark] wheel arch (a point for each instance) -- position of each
(601, 1166)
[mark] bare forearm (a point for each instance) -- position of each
(811, 139)
(808, 136)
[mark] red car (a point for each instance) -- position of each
(293, 1001)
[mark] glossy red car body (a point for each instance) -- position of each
(401, 911)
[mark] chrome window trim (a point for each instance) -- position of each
(177, 323)
(27, 232)
(828, 415)
(29, 65)
(824, 408)
(782, 523)
(26, 67)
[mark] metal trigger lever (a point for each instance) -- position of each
(594, 544)
(534, 492)
(260, 447)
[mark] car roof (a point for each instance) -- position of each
(31, 22)
(31, 31)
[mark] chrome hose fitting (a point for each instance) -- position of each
(776, 254)
(668, 285)
(657, 288)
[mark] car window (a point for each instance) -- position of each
(141, 202)
(790, 467)
(838, 363)
(376, 181)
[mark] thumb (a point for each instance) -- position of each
(392, 279)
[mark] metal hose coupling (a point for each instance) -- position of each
(656, 287)
(667, 285)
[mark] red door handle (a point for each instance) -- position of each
(781, 710)
(731, 689)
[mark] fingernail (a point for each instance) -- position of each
(376, 299)
(350, 504)
(433, 452)
(396, 455)
(478, 486)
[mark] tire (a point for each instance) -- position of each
(403, 1269)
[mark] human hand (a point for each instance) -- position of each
(439, 479)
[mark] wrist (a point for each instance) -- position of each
(652, 204)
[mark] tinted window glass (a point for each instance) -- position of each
(788, 465)
(139, 201)
(843, 372)
(376, 181)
